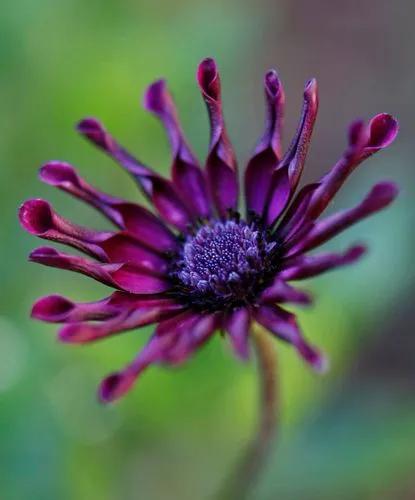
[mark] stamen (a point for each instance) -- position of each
(223, 263)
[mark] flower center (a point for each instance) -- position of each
(223, 264)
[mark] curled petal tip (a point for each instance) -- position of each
(153, 97)
(384, 193)
(57, 173)
(36, 216)
(41, 253)
(89, 125)
(272, 83)
(113, 387)
(383, 129)
(355, 252)
(207, 74)
(311, 91)
(95, 131)
(51, 307)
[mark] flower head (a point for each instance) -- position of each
(200, 264)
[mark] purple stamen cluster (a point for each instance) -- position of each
(224, 264)
(193, 266)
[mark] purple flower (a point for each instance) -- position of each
(200, 265)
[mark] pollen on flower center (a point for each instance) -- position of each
(222, 264)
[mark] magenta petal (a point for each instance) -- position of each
(282, 292)
(284, 325)
(187, 176)
(38, 217)
(296, 216)
(279, 194)
(128, 319)
(287, 174)
(268, 151)
(363, 142)
(93, 130)
(117, 384)
(123, 248)
(380, 196)
(58, 309)
(136, 280)
(147, 227)
(65, 177)
(123, 276)
(135, 218)
(52, 308)
(237, 324)
(296, 155)
(192, 333)
(53, 258)
(221, 164)
(169, 205)
(161, 192)
(300, 268)
(383, 129)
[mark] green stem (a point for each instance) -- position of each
(250, 466)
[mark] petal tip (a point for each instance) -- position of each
(311, 92)
(57, 173)
(40, 253)
(207, 74)
(113, 387)
(94, 130)
(384, 193)
(36, 216)
(383, 129)
(153, 96)
(51, 308)
(272, 83)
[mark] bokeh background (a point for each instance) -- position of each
(347, 435)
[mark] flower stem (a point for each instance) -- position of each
(249, 467)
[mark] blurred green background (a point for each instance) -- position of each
(347, 435)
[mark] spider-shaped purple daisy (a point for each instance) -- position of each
(200, 265)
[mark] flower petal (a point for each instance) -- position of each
(80, 333)
(136, 219)
(123, 276)
(284, 325)
(93, 130)
(364, 141)
(164, 339)
(221, 164)
(291, 166)
(282, 292)
(268, 151)
(147, 228)
(38, 217)
(303, 267)
(194, 332)
(58, 309)
(296, 215)
(187, 176)
(117, 384)
(237, 324)
(380, 196)
(64, 176)
(123, 248)
(160, 191)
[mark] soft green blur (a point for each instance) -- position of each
(347, 435)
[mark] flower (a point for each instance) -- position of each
(199, 265)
